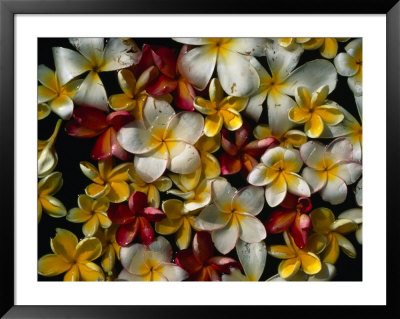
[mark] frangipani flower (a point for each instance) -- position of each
(47, 187)
(232, 215)
(230, 55)
(278, 172)
(328, 236)
(110, 249)
(292, 217)
(72, 257)
(209, 164)
(200, 262)
(162, 184)
(194, 190)
(54, 96)
(330, 168)
(295, 259)
(328, 47)
(150, 263)
(134, 219)
(350, 64)
(354, 214)
(94, 57)
(277, 88)
(314, 110)
(178, 220)
(163, 140)
(291, 43)
(220, 110)
(169, 79)
(242, 155)
(108, 182)
(89, 122)
(289, 139)
(93, 213)
(252, 257)
(327, 273)
(47, 155)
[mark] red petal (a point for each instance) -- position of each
(280, 220)
(126, 233)
(146, 231)
(119, 119)
(164, 58)
(203, 247)
(248, 163)
(223, 264)
(229, 164)
(300, 229)
(137, 202)
(74, 129)
(290, 201)
(116, 148)
(120, 214)
(213, 274)
(226, 143)
(90, 118)
(102, 147)
(163, 85)
(184, 95)
(186, 259)
(258, 147)
(304, 204)
(153, 214)
(242, 134)
(146, 60)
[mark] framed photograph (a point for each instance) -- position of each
(177, 144)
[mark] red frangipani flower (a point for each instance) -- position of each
(200, 263)
(239, 155)
(134, 219)
(88, 122)
(292, 217)
(169, 80)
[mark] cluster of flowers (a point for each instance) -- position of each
(159, 134)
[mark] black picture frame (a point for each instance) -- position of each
(8, 10)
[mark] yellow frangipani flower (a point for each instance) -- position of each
(291, 138)
(314, 110)
(220, 110)
(328, 47)
(134, 92)
(90, 212)
(71, 257)
(152, 189)
(47, 155)
(295, 259)
(110, 250)
(47, 187)
(209, 163)
(179, 221)
(108, 182)
(328, 236)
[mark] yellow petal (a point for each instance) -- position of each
(91, 172)
(210, 165)
(303, 97)
(313, 43)
(88, 249)
(53, 206)
(310, 263)
(346, 245)
(190, 181)
(204, 106)
(314, 126)
(316, 243)
(331, 252)
(213, 124)
(153, 196)
(234, 103)
(295, 138)
(77, 215)
(215, 91)
(39, 211)
(43, 111)
(127, 82)
(299, 114)
(262, 131)
(289, 267)
(108, 260)
(281, 251)
(72, 274)
(97, 191)
(232, 119)
(50, 184)
(105, 167)
(104, 221)
(45, 94)
(119, 192)
(322, 218)
(100, 205)
(163, 184)
(120, 172)
(168, 226)
(64, 244)
(85, 202)
(121, 102)
(184, 235)
(329, 48)
(52, 265)
(90, 272)
(209, 144)
(173, 208)
(91, 226)
(330, 114)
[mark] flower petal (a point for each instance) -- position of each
(43, 111)
(339, 150)
(315, 179)
(275, 192)
(72, 274)
(312, 154)
(225, 238)
(222, 194)
(120, 53)
(77, 215)
(163, 248)
(249, 199)
(126, 233)
(289, 268)
(184, 158)
(335, 190)
(53, 206)
(186, 127)
(252, 257)
(163, 85)
(252, 229)
(88, 249)
(297, 185)
(168, 226)
(343, 226)
(346, 65)
(230, 164)
(50, 184)
(211, 219)
(278, 108)
(47, 77)
(314, 127)
(52, 265)
(261, 175)
(119, 192)
(92, 93)
(154, 108)
(350, 172)
(172, 272)
(97, 191)
(152, 165)
(354, 214)
(203, 248)
(310, 263)
(45, 94)
(322, 218)
(327, 273)
(184, 235)
(133, 259)
(213, 124)
(90, 272)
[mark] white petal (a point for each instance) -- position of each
(280, 60)
(252, 229)
(172, 272)
(151, 165)
(252, 257)
(184, 158)
(225, 239)
(349, 172)
(250, 199)
(69, 64)
(120, 53)
(273, 155)
(186, 127)
(162, 247)
(335, 190)
(124, 275)
(197, 66)
(259, 177)
(341, 129)
(355, 84)
(346, 245)
(154, 108)
(134, 139)
(293, 160)
(211, 218)
(297, 185)
(359, 103)
(248, 46)
(354, 48)
(92, 93)
(275, 192)
(345, 64)
(47, 77)
(354, 214)
(192, 41)
(340, 150)
(235, 275)
(236, 74)
(327, 273)
(358, 192)
(278, 109)
(312, 154)
(316, 180)
(312, 75)
(62, 106)
(222, 194)
(132, 258)
(90, 48)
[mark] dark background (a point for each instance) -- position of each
(72, 150)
